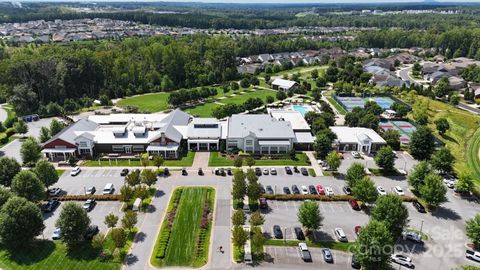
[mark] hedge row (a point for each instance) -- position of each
(110, 197)
(301, 197)
(201, 243)
(163, 242)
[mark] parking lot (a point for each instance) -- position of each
(76, 185)
(288, 257)
(403, 161)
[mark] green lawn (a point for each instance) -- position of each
(154, 102)
(241, 98)
(204, 110)
(60, 172)
(185, 161)
(337, 106)
(342, 246)
(216, 160)
(48, 255)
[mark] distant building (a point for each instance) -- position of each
(357, 139)
(283, 85)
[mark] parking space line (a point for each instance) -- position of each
(286, 206)
(276, 205)
(331, 208)
(321, 206)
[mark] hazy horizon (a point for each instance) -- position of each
(266, 1)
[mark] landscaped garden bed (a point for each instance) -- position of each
(218, 160)
(185, 161)
(184, 237)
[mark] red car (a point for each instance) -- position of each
(358, 229)
(354, 204)
(320, 190)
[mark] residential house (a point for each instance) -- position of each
(357, 139)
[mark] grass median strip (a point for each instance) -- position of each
(342, 246)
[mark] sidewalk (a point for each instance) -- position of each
(316, 167)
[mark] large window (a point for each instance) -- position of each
(249, 142)
(117, 148)
(138, 148)
(83, 144)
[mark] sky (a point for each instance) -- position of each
(259, 1)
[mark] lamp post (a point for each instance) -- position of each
(285, 234)
(421, 227)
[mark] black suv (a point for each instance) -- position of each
(299, 233)
(347, 190)
(286, 190)
(258, 172)
(304, 171)
(91, 232)
(124, 172)
(420, 208)
(288, 170)
(277, 232)
(184, 171)
(312, 190)
(51, 205)
(295, 189)
(269, 190)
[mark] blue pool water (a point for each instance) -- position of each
(301, 109)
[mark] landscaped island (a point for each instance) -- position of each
(185, 234)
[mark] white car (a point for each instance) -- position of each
(56, 234)
(265, 171)
(329, 191)
(356, 154)
(340, 234)
(381, 191)
(451, 183)
(402, 260)
(75, 171)
(304, 190)
(273, 171)
(399, 191)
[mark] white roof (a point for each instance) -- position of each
(304, 137)
(284, 83)
(295, 118)
(167, 147)
(355, 134)
(261, 126)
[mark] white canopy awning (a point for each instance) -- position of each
(59, 150)
(202, 141)
(162, 148)
(274, 143)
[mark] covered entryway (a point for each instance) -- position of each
(166, 151)
(202, 145)
(56, 154)
(274, 147)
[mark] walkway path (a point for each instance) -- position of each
(313, 161)
(201, 160)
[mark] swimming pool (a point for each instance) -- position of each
(302, 109)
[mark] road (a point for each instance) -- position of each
(469, 108)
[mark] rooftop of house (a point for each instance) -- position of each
(356, 134)
(295, 118)
(284, 83)
(260, 126)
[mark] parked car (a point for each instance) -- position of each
(90, 190)
(262, 189)
(51, 205)
(108, 189)
(402, 260)
(295, 169)
(357, 229)
(269, 189)
(312, 190)
(273, 171)
(75, 171)
(299, 233)
(288, 170)
(91, 232)
(381, 191)
(304, 190)
(304, 171)
(54, 191)
(327, 255)
(263, 203)
(286, 190)
(258, 171)
(340, 235)
(277, 232)
(420, 208)
(184, 171)
(124, 172)
(229, 172)
(320, 190)
(355, 264)
(354, 204)
(399, 191)
(329, 191)
(304, 252)
(347, 190)
(295, 189)
(56, 234)
(412, 236)
(265, 171)
(200, 171)
(472, 255)
(89, 204)
(356, 154)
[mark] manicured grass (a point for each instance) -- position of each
(216, 160)
(185, 161)
(342, 246)
(337, 106)
(204, 110)
(312, 172)
(60, 172)
(241, 98)
(154, 102)
(47, 255)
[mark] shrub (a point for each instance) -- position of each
(110, 197)
(163, 243)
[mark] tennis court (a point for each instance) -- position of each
(403, 127)
(348, 103)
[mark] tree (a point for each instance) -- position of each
(238, 217)
(281, 95)
(133, 178)
(55, 127)
(238, 162)
(44, 134)
(269, 99)
(119, 237)
(465, 183)
(355, 173)
(27, 185)
(442, 88)
(473, 230)
(73, 223)
(442, 160)
(254, 190)
(5, 195)
(390, 210)
(9, 167)
(30, 151)
(442, 125)
(365, 191)
(314, 74)
(392, 137)
(257, 237)
(149, 177)
(333, 160)
(323, 145)
(23, 100)
(401, 110)
(374, 246)
(111, 220)
(239, 185)
(250, 161)
(239, 236)
(20, 127)
(129, 220)
(418, 174)
(158, 161)
(46, 173)
(309, 215)
(20, 222)
(98, 240)
(385, 158)
(144, 160)
(256, 219)
(422, 143)
(126, 193)
(72, 161)
(433, 191)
